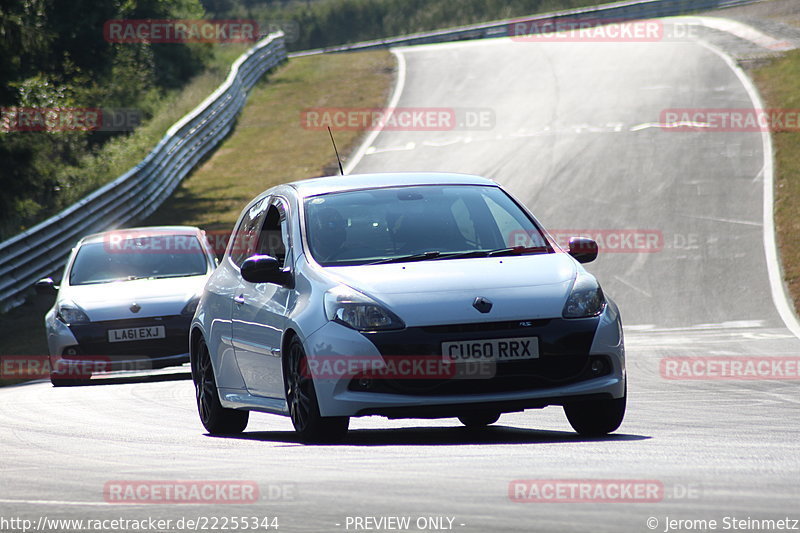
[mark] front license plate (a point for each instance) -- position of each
(515, 349)
(137, 334)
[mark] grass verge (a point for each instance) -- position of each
(778, 82)
(82, 170)
(268, 146)
(22, 332)
(120, 154)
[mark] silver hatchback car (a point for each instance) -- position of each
(125, 301)
(409, 295)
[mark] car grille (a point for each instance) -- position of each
(93, 338)
(563, 356)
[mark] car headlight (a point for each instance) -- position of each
(358, 311)
(71, 314)
(191, 306)
(586, 298)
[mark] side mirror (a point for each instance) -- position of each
(583, 249)
(264, 269)
(45, 286)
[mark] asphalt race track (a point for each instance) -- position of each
(575, 134)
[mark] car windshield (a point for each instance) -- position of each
(431, 222)
(161, 256)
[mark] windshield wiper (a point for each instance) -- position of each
(517, 250)
(513, 250)
(408, 258)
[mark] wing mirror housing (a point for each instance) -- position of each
(45, 286)
(582, 249)
(265, 269)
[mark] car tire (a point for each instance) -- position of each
(216, 419)
(595, 418)
(301, 398)
(479, 419)
(58, 381)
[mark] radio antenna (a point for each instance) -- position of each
(341, 170)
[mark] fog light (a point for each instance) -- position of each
(599, 367)
(364, 383)
(70, 351)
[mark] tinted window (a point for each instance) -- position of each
(273, 239)
(164, 256)
(245, 237)
(364, 226)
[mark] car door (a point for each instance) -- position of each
(259, 311)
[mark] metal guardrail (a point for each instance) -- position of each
(42, 249)
(616, 12)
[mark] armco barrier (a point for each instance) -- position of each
(42, 249)
(618, 11)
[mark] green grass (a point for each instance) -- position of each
(120, 154)
(778, 82)
(269, 145)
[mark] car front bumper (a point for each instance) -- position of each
(85, 348)
(562, 374)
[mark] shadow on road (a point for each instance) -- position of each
(428, 436)
(139, 378)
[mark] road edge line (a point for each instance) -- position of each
(774, 270)
(399, 86)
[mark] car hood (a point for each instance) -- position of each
(113, 301)
(443, 291)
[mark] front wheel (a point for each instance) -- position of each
(479, 419)
(58, 380)
(216, 419)
(594, 418)
(302, 401)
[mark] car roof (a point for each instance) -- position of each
(352, 182)
(141, 232)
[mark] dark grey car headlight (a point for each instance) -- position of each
(586, 299)
(358, 311)
(69, 313)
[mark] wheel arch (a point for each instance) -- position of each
(195, 334)
(288, 336)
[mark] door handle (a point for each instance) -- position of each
(239, 300)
